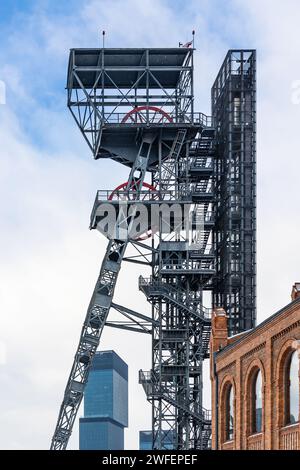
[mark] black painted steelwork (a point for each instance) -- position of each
(234, 114)
(136, 106)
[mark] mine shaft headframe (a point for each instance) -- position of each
(114, 94)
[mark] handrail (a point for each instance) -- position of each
(149, 380)
(171, 290)
(122, 195)
(153, 117)
(193, 263)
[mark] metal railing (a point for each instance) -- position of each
(131, 195)
(200, 187)
(151, 196)
(207, 250)
(200, 215)
(206, 414)
(147, 117)
(174, 293)
(196, 163)
(124, 195)
(149, 380)
(199, 265)
(202, 162)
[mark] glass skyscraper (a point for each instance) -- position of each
(105, 404)
(145, 440)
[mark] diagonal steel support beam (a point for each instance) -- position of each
(128, 311)
(122, 326)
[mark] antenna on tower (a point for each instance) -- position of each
(103, 38)
(189, 43)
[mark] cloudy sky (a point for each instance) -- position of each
(48, 180)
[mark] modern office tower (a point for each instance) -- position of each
(145, 440)
(105, 404)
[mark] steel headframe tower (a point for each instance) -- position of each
(136, 106)
(234, 114)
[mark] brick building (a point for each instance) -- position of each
(255, 382)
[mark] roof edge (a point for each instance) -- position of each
(257, 328)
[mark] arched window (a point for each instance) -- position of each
(257, 402)
(229, 413)
(292, 389)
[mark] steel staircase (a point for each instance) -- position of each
(153, 288)
(153, 389)
(165, 176)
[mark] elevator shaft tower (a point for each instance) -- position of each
(234, 114)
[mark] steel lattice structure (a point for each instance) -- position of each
(136, 106)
